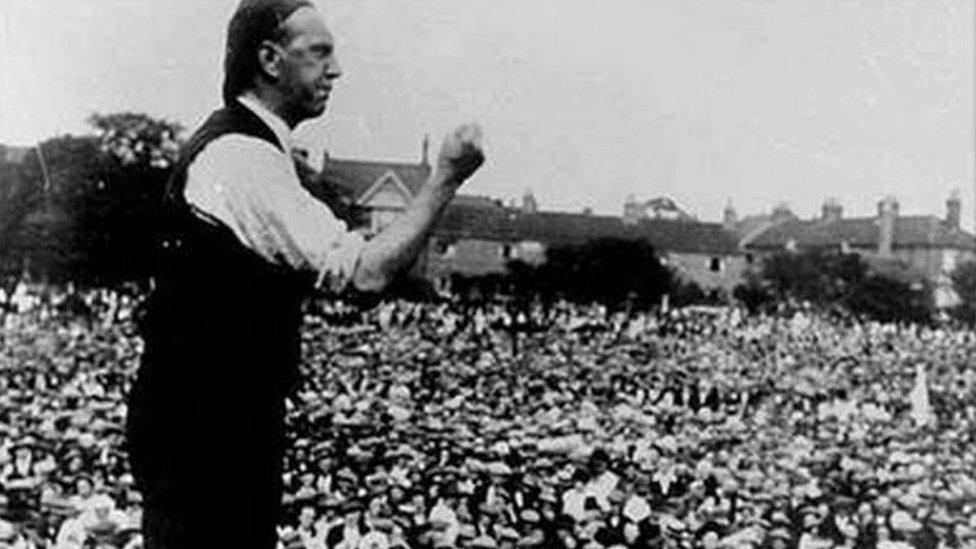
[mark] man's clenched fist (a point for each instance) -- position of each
(461, 154)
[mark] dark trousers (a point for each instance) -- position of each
(208, 460)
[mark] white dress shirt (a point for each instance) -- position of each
(252, 187)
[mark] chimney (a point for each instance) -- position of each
(424, 147)
(887, 217)
(831, 210)
(953, 210)
(889, 202)
(632, 211)
(729, 218)
(529, 203)
(781, 212)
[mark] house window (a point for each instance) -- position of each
(949, 260)
(442, 247)
(508, 251)
(845, 248)
(749, 259)
(715, 264)
(791, 245)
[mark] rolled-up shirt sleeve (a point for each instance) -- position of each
(252, 188)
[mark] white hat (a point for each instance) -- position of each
(101, 501)
(903, 522)
(7, 531)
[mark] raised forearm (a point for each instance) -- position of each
(396, 247)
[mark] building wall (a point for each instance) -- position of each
(468, 257)
(697, 268)
(935, 264)
(944, 262)
(927, 261)
(476, 257)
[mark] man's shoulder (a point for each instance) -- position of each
(238, 147)
(235, 127)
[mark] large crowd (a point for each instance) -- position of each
(562, 426)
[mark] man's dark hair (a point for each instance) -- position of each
(253, 22)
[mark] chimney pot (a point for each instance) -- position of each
(729, 217)
(887, 217)
(831, 210)
(953, 210)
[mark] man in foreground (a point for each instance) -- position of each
(241, 244)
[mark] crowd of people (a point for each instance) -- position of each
(564, 426)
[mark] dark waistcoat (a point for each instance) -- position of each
(221, 318)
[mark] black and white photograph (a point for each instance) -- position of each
(488, 274)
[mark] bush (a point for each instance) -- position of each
(836, 281)
(754, 294)
(615, 272)
(87, 213)
(964, 283)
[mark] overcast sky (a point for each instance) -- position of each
(584, 102)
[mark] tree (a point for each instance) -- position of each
(137, 140)
(88, 212)
(120, 214)
(964, 283)
(755, 294)
(813, 276)
(41, 232)
(831, 281)
(17, 199)
(890, 300)
(611, 271)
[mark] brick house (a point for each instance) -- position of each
(478, 235)
(917, 246)
(480, 238)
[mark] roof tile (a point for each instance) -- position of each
(508, 224)
(910, 231)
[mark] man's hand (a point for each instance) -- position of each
(461, 154)
(396, 247)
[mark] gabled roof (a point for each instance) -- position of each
(360, 175)
(476, 200)
(910, 231)
(664, 205)
(513, 225)
(485, 218)
(388, 178)
(751, 226)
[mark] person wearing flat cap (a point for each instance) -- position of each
(240, 244)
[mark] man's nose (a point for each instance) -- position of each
(333, 70)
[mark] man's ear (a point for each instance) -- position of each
(269, 59)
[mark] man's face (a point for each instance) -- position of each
(309, 65)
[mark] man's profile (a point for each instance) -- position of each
(241, 244)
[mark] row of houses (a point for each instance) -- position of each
(479, 235)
